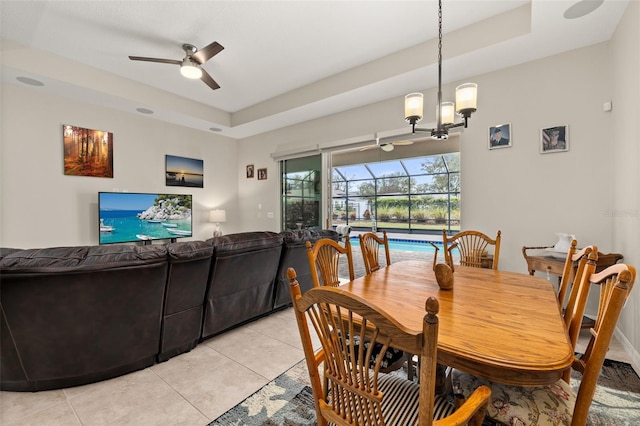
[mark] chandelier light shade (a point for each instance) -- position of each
(466, 99)
(190, 69)
(413, 107)
(465, 105)
(447, 113)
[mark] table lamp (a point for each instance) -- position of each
(217, 216)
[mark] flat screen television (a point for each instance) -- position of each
(128, 216)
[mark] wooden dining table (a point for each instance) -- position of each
(503, 326)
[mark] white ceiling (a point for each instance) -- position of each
(284, 62)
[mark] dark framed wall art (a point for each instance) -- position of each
(182, 171)
(87, 152)
(262, 174)
(554, 139)
(500, 136)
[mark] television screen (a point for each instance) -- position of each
(128, 216)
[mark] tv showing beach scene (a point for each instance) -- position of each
(182, 171)
(127, 216)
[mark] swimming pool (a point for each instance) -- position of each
(406, 245)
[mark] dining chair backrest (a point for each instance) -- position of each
(585, 265)
(370, 244)
(473, 248)
(616, 283)
(568, 273)
(355, 391)
(324, 257)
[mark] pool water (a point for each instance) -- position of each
(406, 245)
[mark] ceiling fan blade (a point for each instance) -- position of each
(366, 148)
(209, 80)
(162, 61)
(207, 52)
(405, 142)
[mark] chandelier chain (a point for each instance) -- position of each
(440, 33)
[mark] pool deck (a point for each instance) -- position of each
(398, 236)
(396, 256)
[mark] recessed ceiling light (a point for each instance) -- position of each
(30, 81)
(582, 8)
(215, 129)
(144, 110)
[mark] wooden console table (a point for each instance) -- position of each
(553, 265)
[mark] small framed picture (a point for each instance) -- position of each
(250, 171)
(262, 174)
(554, 139)
(500, 136)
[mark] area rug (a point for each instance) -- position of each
(288, 401)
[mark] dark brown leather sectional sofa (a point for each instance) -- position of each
(77, 315)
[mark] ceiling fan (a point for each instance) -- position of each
(387, 146)
(190, 66)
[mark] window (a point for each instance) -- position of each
(409, 195)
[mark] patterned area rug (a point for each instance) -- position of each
(288, 401)
(285, 401)
(617, 398)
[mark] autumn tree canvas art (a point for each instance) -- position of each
(87, 152)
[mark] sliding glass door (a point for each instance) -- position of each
(301, 189)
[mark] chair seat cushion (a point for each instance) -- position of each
(522, 405)
(401, 401)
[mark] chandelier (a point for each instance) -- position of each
(466, 101)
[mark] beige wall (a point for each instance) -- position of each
(625, 143)
(42, 207)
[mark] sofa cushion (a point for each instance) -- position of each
(294, 255)
(241, 281)
(186, 251)
(245, 242)
(65, 259)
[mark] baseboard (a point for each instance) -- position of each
(628, 347)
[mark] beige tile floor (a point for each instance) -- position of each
(190, 389)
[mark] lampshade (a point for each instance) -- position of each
(190, 69)
(413, 107)
(217, 216)
(447, 113)
(466, 98)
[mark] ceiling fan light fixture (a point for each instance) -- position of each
(387, 147)
(190, 69)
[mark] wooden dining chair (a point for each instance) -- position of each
(473, 248)
(370, 244)
(568, 273)
(324, 257)
(357, 392)
(584, 264)
(540, 405)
